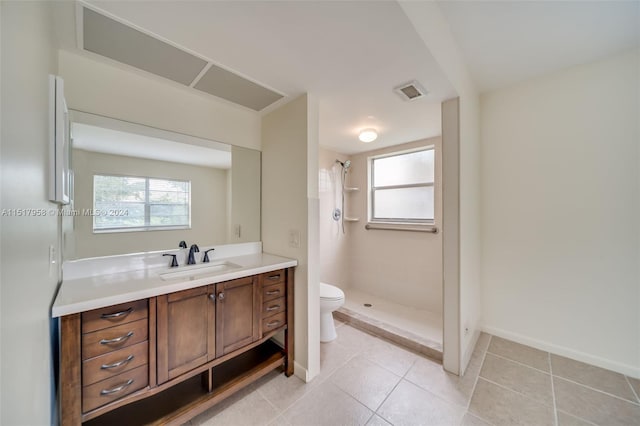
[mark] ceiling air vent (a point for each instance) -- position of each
(411, 91)
(115, 40)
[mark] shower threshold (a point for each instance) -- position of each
(417, 330)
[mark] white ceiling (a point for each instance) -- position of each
(109, 141)
(351, 55)
(504, 42)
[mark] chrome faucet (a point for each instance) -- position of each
(194, 249)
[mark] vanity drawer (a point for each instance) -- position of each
(273, 277)
(114, 315)
(113, 363)
(105, 391)
(274, 322)
(273, 291)
(274, 306)
(110, 339)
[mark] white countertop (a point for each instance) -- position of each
(93, 292)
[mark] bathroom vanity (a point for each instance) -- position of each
(147, 347)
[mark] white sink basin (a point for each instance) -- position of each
(199, 271)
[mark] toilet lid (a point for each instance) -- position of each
(328, 291)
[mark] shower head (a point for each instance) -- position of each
(345, 165)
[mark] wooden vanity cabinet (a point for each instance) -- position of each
(197, 325)
(237, 314)
(186, 327)
(214, 340)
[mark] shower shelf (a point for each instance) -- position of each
(351, 189)
(351, 219)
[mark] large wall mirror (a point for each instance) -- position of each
(140, 189)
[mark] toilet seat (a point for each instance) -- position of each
(330, 292)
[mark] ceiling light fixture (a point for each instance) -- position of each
(368, 135)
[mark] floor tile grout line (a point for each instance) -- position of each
(353, 397)
(578, 417)
(553, 391)
(385, 400)
(278, 411)
(393, 372)
(394, 388)
(597, 390)
(518, 362)
(632, 388)
(478, 417)
(431, 392)
(569, 380)
(484, 357)
(516, 392)
(473, 390)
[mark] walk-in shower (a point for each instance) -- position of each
(391, 279)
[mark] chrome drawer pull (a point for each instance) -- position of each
(273, 308)
(117, 314)
(273, 277)
(117, 339)
(272, 323)
(116, 389)
(272, 292)
(117, 364)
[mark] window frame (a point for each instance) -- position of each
(372, 189)
(147, 205)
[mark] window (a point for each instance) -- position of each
(126, 203)
(401, 187)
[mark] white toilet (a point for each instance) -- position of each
(331, 298)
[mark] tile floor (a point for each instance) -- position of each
(365, 380)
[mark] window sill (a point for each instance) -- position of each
(395, 226)
(140, 229)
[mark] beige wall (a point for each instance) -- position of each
(28, 281)
(208, 205)
(290, 205)
(561, 203)
(401, 266)
(114, 90)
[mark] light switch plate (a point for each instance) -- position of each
(294, 238)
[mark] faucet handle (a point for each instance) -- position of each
(174, 260)
(205, 259)
(183, 244)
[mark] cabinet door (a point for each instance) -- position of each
(237, 314)
(186, 331)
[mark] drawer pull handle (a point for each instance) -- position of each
(117, 339)
(117, 364)
(273, 308)
(117, 389)
(117, 314)
(273, 277)
(272, 324)
(272, 292)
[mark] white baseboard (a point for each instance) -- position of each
(301, 372)
(626, 369)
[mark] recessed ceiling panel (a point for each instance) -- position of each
(227, 85)
(119, 42)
